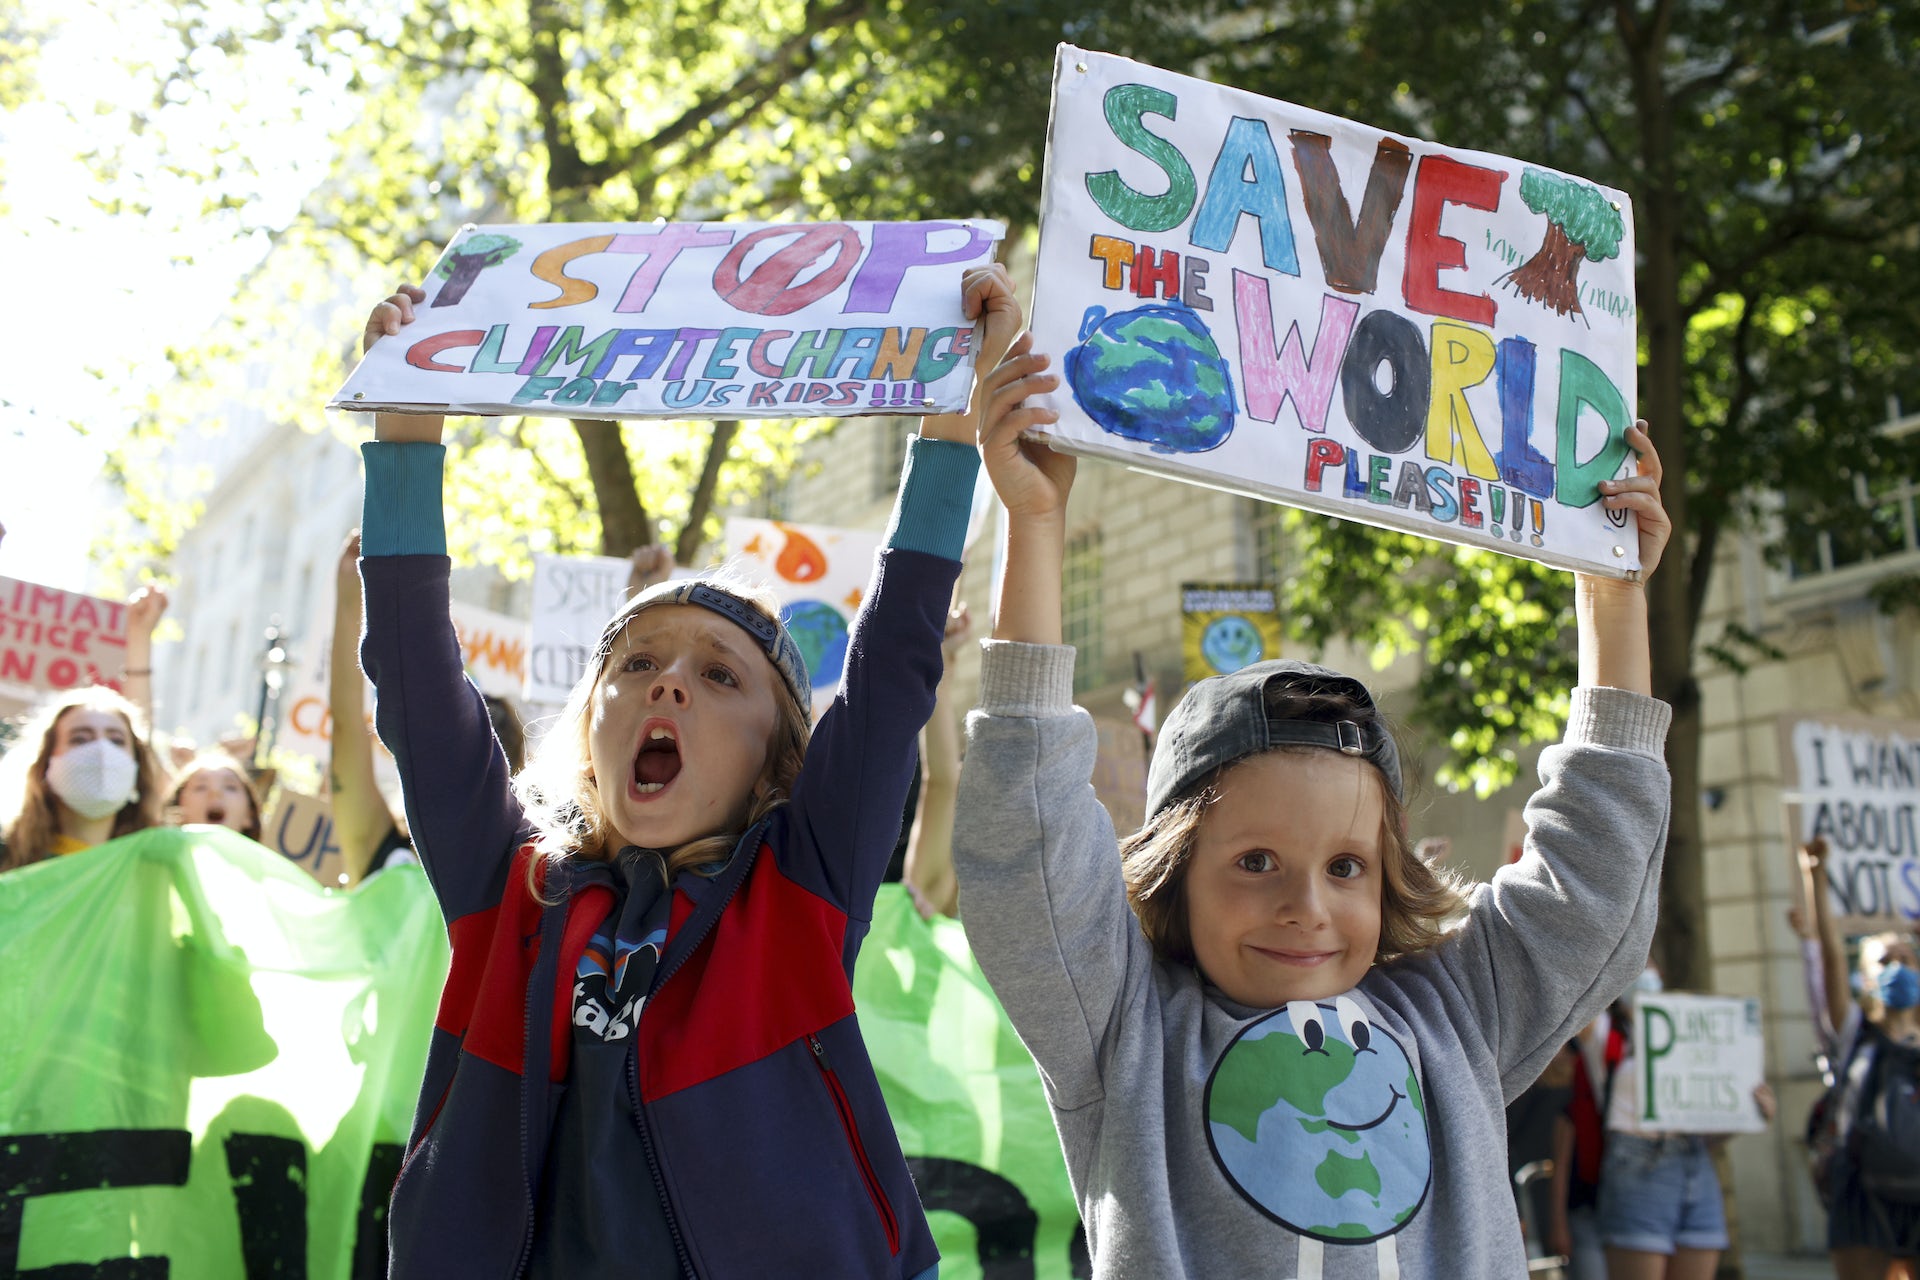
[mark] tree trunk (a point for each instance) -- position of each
(690, 536)
(1551, 275)
(623, 520)
(1681, 946)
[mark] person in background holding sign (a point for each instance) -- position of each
(1869, 1142)
(1661, 1214)
(646, 1060)
(80, 773)
(1281, 1062)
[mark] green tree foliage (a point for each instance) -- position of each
(563, 109)
(1772, 152)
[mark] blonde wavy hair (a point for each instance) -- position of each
(29, 811)
(557, 789)
(1419, 901)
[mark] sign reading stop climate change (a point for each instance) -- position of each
(687, 320)
(1253, 295)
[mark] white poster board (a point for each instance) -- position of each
(52, 640)
(1695, 1062)
(1248, 294)
(820, 575)
(1857, 784)
(494, 648)
(687, 320)
(574, 597)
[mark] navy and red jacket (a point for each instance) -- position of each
(770, 1146)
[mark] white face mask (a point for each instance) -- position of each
(95, 778)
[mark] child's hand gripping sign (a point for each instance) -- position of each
(687, 320)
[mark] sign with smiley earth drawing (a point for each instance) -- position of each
(1315, 1115)
(1225, 626)
(1261, 297)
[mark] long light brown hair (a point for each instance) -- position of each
(29, 809)
(1418, 900)
(561, 800)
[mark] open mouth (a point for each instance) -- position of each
(216, 816)
(658, 761)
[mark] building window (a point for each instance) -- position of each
(199, 684)
(1815, 546)
(1081, 612)
(1266, 528)
(889, 457)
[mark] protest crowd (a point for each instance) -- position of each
(771, 939)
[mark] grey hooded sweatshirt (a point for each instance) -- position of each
(1359, 1136)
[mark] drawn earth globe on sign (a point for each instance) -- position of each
(1154, 375)
(1230, 643)
(1316, 1117)
(821, 633)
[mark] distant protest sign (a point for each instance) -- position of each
(1224, 627)
(54, 639)
(1856, 784)
(687, 320)
(1256, 296)
(574, 597)
(1696, 1060)
(300, 829)
(494, 648)
(820, 575)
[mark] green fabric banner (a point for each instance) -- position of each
(207, 1062)
(208, 1067)
(966, 1101)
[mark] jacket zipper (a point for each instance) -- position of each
(874, 1191)
(526, 1099)
(653, 1159)
(633, 1062)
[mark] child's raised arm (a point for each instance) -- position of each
(1032, 481)
(461, 811)
(1562, 932)
(847, 802)
(1612, 612)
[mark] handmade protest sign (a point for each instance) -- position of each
(1696, 1060)
(820, 575)
(687, 320)
(574, 597)
(300, 829)
(52, 639)
(1248, 294)
(494, 648)
(1856, 784)
(1226, 626)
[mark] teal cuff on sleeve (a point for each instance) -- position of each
(401, 513)
(936, 497)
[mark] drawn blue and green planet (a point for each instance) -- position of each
(1153, 374)
(1316, 1116)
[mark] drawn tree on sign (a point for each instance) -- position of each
(1581, 223)
(463, 266)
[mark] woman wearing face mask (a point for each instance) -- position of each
(88, 776)
(1873, 1034)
